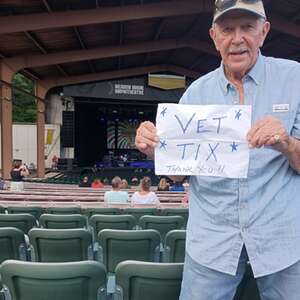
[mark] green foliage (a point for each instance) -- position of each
(24, 106)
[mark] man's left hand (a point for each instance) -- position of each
(268, 131)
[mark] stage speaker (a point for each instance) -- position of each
(67, 130)
(65, 164)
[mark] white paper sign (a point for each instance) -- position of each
(207, 140)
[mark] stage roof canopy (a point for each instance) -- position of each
(74, 41)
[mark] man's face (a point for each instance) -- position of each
(238, 37)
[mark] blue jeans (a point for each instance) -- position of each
(201, 283)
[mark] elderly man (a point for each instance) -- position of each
(257, 219)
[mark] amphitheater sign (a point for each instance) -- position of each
(208, 140)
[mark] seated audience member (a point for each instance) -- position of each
(163, 185)
(185, 199)
(116, 196)
(97, 184)
(105, 181)
(144, 195)
(134, 181)
(124, 184)
(177, 187)
(186, 185)
(54, 162)
(3, 185)
(85, 182)
(17, 174)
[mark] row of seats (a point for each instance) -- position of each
(87, 281)
(246, 289)
(136, 212)
(96, 223)
(114, 246)
(111, 246)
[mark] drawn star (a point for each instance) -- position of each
(238, 114)
(163, 145)
(234, 147)
(164, 111)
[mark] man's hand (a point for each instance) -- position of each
(146, 138)
(268, 131)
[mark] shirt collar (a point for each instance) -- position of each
(256, 74)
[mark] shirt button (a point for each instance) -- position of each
(243, 206)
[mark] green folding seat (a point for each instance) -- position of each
(100, 222)
(174, 246)
(12, 244)
(24, 222)
(33, 210)
(120, 245)
(62, 221)
(139, 212)
(68, 210)
(137, 280)
(48, 281)
(64, 245)
(163, 224)
(2, 210)
(101, 211)
(183, 212)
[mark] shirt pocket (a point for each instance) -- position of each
(285, 117)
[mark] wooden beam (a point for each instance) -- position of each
(38, 21)
(30, 61)
(284, 25)
(15, 87)
(6, 105)
(83, 46)
(159, 28)
(54, 82)
(31, 36)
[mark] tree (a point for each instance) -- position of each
(24, 106)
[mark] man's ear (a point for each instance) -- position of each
(212, 33)
(266, 29)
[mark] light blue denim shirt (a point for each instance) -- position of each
(261, 212)
(120, 197)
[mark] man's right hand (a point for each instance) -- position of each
(146, 138)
